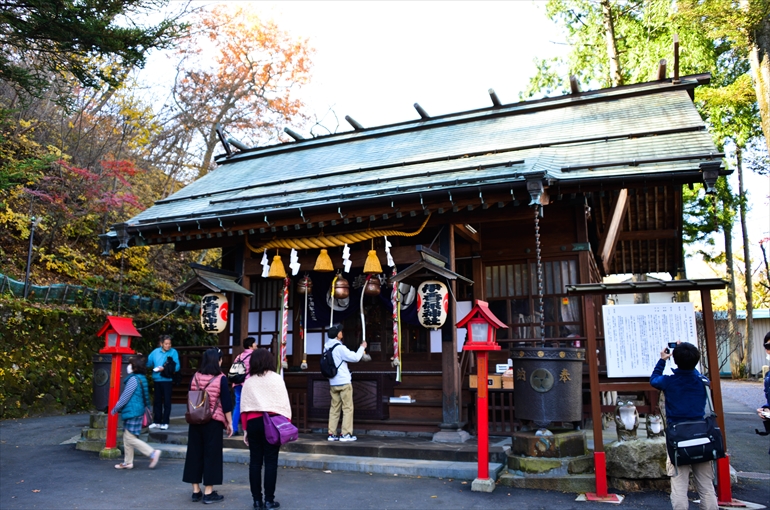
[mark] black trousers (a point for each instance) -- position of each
(260, 451)
(203, 462)
(161, 408)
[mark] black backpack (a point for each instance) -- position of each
(169, 369)
(328, 368)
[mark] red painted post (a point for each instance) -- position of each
(112, 419)
(724, 490)
(482, 414)
(600, 468)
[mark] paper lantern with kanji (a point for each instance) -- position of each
(432, 303)
(214, 313)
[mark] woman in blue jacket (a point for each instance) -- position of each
(131, 406)
(156, 360)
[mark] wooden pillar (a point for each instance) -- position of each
(452, 424)
(709, 331)
(449, 366)
(240, 302)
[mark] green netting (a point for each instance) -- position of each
(105, 299)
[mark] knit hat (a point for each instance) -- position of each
(333, 331)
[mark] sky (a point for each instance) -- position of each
(374, 60)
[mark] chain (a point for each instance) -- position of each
(120, 285)
(539, 273)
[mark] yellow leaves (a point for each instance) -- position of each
(25, 123)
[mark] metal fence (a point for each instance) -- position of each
(95, 298)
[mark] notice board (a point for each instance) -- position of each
(634, 335)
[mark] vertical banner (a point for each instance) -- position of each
(284, 324)
(634, 335)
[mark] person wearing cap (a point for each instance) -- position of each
(340, 386)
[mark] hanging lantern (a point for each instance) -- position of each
(304, 285)
(214, 313)
(323, 263)
(432, 303)
(276, 268)
(372, 264)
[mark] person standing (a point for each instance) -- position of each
(263, 392)
(203, 462)
(685, 401)
(162, 400)
(340, 386)
(249, 344)
(764, 411)
(131, 405)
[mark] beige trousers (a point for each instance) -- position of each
(703, 476)
(342, 398)
(130, 442)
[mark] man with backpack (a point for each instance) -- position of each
(334, 365)
(685, 401)
(239, 372)
(164, 362)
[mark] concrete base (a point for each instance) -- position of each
(483, 485)
(110, 453)
(451, 436)
(572, 483)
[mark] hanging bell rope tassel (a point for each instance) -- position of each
(303, 366)
(331, 314)
(366, 356)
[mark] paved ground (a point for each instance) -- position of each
(37, 471)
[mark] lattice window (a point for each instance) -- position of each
(511, 290)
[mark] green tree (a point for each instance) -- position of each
(44, 38)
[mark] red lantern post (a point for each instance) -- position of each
(117, 333)
(482, 328)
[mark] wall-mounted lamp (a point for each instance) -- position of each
(710, 171)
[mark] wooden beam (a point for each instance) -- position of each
(465, 233)
(593, 371)
(709, 331)
(647, 235)
(610, 239)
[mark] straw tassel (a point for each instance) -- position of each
(323, 263)
(372, 264)
(276, 268)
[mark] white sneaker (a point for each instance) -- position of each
(164, 426)
(347, 438)
(154, 426)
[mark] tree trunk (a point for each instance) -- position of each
(734, 344)
(749, 330)
(616, 77)
(759, 57)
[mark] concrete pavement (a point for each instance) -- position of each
(37, 471)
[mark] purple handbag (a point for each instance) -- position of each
(279, 429)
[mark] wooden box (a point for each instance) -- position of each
(493, 381)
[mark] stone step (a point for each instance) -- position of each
(358, 464)
(366, 446)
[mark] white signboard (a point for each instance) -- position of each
(634, 335)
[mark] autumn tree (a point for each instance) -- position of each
(239, 71)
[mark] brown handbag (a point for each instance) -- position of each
(198, 407)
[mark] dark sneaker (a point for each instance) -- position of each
(197, 496)
(332, 437)
(258, 503)
(212, 498)
(272, 504)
